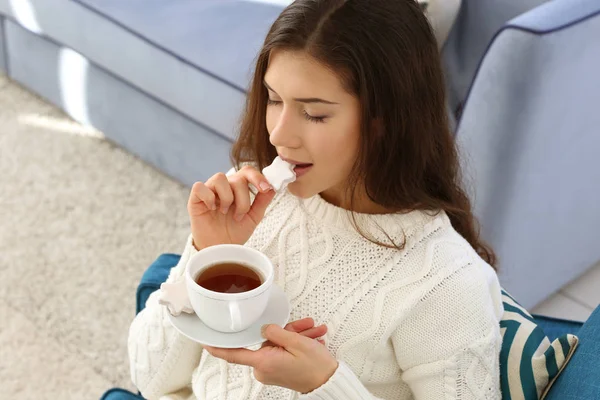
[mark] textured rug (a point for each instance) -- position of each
(80, 220)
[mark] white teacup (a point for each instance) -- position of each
(229, 312)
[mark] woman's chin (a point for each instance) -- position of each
(296, 189)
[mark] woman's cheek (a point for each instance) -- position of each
(269, 121)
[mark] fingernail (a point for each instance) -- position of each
(225, 210)
(264, 186)
(238, 217)
(213, 207)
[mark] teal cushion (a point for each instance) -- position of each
(556, 327)
(156, 274)
(529, 362)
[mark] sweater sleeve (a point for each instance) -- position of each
(460, 358)
(161, 359)
(343, 385)
(448, 347)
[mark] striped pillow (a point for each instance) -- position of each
(529, 363)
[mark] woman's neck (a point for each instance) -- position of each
(362, 203)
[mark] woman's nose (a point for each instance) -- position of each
(285, 132)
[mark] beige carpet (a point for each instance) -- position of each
(80, 220)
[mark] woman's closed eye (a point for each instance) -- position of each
(307, 116)
(312, 118)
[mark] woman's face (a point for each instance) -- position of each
(312, 120)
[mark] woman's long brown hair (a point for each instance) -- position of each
(385, 53)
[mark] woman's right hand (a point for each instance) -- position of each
(220, 210)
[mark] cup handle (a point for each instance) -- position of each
(236, 316)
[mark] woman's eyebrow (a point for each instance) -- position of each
(303, 100)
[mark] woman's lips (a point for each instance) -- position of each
(299, 168)
(302, 169)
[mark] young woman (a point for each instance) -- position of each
(375, 243)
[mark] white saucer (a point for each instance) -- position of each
(277, 312)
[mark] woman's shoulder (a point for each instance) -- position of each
(451, 265)
(443, 242)
(442, 273)
(440, 252)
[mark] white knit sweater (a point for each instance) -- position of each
(419, 323)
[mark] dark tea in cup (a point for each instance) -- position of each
(229, 277)
(229, 286)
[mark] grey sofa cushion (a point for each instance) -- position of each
(195, 56)
(529, 135)
(145, 127)
(477, 22)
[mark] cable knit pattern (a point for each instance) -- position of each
(418, 323)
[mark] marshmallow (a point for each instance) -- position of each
(279, 174)
(175, 297)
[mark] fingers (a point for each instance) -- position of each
(253, 176)
(300, 325)
(234, 356)
(241, 196)
(297, 326)
(202, 194)
(291, 341)
(315, 332)
(221, 192)
(259, 207)
(305, 327)
(269, 343)
(311, 333)
(241, 179)
(221, 187)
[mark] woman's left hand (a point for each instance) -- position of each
(288, 360)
